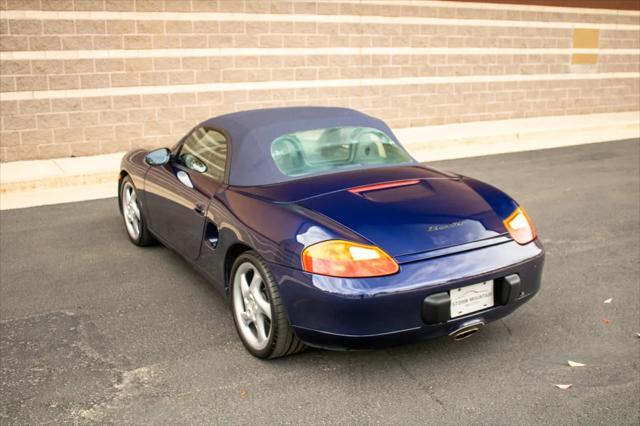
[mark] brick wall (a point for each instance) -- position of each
(83, 77)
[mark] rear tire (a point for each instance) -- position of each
(258, 312)
(134, 220)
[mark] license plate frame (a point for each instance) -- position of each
(471, 298)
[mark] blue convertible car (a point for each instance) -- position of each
(322, 230)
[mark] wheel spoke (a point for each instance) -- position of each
(255, 282)
(244, 285)
(136, 226)
(265, 307)
(245, 318)
(263, 304)
(127, 195)
(261, 329)
(135, 209)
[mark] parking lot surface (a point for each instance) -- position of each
(94, 329)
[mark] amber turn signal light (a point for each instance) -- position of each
(520, 226)
(338, 258)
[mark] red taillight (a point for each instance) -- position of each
(520, 226)
(338, 258)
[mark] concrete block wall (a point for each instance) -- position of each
(86, 77)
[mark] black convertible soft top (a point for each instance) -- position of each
(252, 132)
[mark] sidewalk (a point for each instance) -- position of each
(28, 175)
(43, 182)
(527, 134)
(61, 180)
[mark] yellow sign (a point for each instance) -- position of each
(584, 38)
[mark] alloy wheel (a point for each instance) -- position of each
(251, 306)
(131, 211)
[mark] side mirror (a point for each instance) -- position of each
(158, 157)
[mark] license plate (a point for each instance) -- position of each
(471, 298)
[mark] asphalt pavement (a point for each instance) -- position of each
(94, 329)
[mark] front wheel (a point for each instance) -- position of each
(134, 221)
(258, 313)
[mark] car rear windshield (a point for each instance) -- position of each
(321, 151)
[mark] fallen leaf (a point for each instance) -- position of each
(606, 320)
(575, 364)
(608, 300)
(243, 393)
(563, 387)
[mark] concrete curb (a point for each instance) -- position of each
(59, 172)
(528, 134)
(59, 182)
(43, 182)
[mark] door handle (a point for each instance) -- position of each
(212, 242)
(199, 208)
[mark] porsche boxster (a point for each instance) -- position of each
(320, 229)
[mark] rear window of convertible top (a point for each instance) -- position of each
(325, 150)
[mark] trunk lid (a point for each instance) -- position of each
(419, 215)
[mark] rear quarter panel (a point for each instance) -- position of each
(277, 231)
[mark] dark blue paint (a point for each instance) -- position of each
(433, 214)
(280, 220)
(384, 305)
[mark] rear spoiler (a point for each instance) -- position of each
(384, 185)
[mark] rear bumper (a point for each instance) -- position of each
(340, 313)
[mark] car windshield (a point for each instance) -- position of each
(323, 150)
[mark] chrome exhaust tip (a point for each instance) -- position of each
(465, 331)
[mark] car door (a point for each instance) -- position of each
(179, 192)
